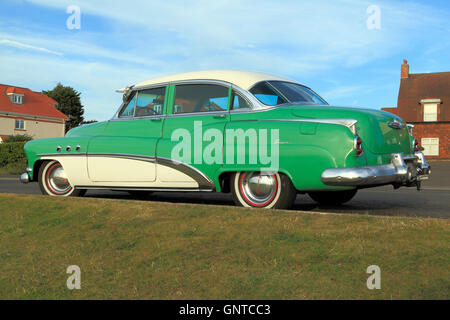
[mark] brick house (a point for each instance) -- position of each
(424, 101)
(23, 111)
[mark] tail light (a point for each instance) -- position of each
(416, 146)
(358, 146)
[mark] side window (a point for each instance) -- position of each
(150, 102)
(239, 102)
(128, 110)
(266, 94)
(191, 98)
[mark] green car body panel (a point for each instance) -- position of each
(307, 145)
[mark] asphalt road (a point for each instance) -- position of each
(432, 201)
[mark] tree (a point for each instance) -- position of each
(69, 103)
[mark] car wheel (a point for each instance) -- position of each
(258, 190)
(332, 197)
(53, 181)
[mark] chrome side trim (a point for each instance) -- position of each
(143, 189)
(61, 154)
(196, 114)
(124, 156)
(349, 123)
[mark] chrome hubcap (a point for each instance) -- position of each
(259, 188)
(57, 179)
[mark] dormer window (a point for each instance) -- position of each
(430, 109)
(16, 98)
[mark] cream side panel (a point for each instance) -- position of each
(118, 170)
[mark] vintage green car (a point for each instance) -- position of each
(261, 137)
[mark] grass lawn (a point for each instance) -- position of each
(150, 250)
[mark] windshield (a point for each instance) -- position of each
(272, 93)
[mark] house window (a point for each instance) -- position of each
(17, 99)
(430, 146)
(430, 112)
(20, 125)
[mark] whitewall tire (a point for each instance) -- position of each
(254, 189)
(53, 181)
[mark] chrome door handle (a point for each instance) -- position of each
(156, 119)
(220, 116)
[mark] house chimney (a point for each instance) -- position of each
(405, 70)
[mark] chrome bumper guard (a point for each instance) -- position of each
(24, 177)
(404, 170)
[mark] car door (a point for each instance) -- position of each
(191, 148)
(125, 152)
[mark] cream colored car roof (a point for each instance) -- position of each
(243, 79)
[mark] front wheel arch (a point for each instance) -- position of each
(36, 167)
(46, 168)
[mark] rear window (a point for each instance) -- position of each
(267, 94)
(273, 93)
(297, 93)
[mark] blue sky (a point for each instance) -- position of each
(324, 44)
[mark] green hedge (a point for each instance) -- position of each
(12, 153)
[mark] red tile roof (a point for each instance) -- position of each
(34, 103)
(423, 86)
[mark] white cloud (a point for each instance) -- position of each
(20, 45)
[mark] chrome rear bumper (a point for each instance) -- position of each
(404, 170)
